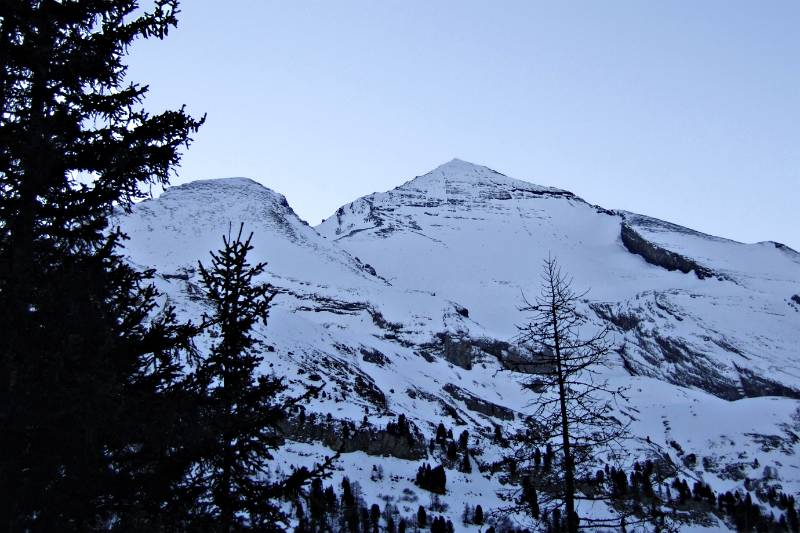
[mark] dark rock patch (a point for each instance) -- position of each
(767, 443)
(323, 304)
(674, 350)
(454, 349)
(656, 255)
(624, 321)
(463, 351)
(366, 389)
(183, 276)
(734, 471)
(374, 356)
(379, 320)
(452, 412)
(754, 386)
(425, 354)
(692, 368)
(477, 404)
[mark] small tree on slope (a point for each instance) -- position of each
(242, 410)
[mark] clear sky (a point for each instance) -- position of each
(683, 110)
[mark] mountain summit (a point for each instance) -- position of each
(458, 179)
(453, 190)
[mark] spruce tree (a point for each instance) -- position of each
(466, 465)
(242, 410)
(350, 514)
(93, 407)
(478, 515)
(463, 440)
(422, 517)
(441, 433)
(375, 516)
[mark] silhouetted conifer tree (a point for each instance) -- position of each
(791, 517)
(477, 517)
(432, 479)
(529, 498)
(242, 410)
(452, 451)
(91, 398)
(422, 517)
(463, 440)
(466, 465)
(350, 512)
(375, 516)
(316, 501)
(441, 433)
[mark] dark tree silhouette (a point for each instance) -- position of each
(573, 414)
(478, 516)
(432, 479)
(91, 395)
(241, 409)
(422, 517)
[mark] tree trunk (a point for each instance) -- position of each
(226, 503)
(569, 468)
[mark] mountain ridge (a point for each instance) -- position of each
(406, 302)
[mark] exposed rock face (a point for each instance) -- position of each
(454, 349)
(689, 367)
(648, 328)
(464, 351)
(754, 385)
(374, 356)
(624, 320)
(659, 256)
(477, 404)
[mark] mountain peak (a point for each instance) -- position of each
(456, 165)
(462, 178)
(218, 183)
(458, 168)
(454, 190)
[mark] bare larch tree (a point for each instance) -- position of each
(573, 416)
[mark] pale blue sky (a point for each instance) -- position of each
(684, 110)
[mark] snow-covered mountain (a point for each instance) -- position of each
(478, 237)
(407, 302)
